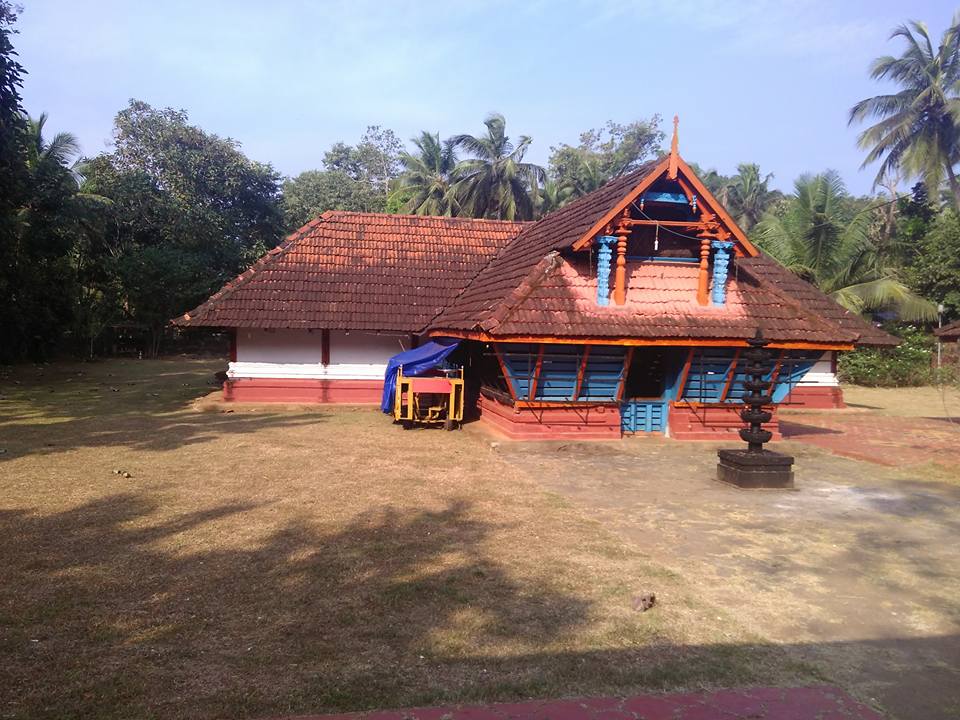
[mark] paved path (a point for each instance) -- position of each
(808, 703)
(856, 572)
(885, 440)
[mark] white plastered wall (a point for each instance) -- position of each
(354, 355)
(821, 374)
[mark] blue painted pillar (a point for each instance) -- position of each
(721, 268)
(605, 245)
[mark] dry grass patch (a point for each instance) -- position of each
(262, 561)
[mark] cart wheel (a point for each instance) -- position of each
(407, 424)
(449, 424)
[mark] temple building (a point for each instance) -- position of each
(625, 311)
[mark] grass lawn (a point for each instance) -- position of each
(264, 562)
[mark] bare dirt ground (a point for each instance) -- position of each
(265, 561)
(856, 572)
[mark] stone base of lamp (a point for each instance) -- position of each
(747, 469)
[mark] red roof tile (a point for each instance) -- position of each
(558, 230)
(370, 271)
(768, 270)
(364, 271)
(558, 298)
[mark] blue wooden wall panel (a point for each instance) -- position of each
(643, 416)
(559, 368)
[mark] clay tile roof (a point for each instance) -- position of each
(768, 270)
(557, 231)
(558, 297)
(949, 332)
(364, 271)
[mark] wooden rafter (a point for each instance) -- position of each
(684, 374)
(623, 374)
(776, 368)
(532, 394)
(731, 374)
(617, 209)
(503, 369)
(581, 372)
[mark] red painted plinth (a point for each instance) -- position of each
(590, 422)
(712, 422)
(289, 390)
(814, 397)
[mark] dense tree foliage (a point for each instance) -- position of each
(357, 177)
(935, 270)
(821, 235)
(604, 154)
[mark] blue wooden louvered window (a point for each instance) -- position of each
(559, 370)
(709, 377)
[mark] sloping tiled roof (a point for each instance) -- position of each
(363, 271)
(765, 268)
(559, 298)
(558, 230)
(949, 332)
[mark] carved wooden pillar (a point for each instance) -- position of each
(620, 282)
(703, 277)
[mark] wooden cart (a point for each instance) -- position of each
(430, 400)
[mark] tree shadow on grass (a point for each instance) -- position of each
(113, 609)
(118, 609)
(142, 406)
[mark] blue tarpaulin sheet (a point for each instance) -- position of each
(414, 362)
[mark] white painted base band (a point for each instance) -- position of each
(821, 374)
(307, 371)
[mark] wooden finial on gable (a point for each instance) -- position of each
(674, 149)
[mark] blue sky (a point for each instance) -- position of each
(766, 81)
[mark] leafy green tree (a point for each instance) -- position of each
(821, 236)
(185, 211)
(916, 133)
(605, 154)
(935, 271)
(13, 189)
(428, 176)
(368, 170)
(495, 182)
(229, 203)
(313, 192)
(37, 267)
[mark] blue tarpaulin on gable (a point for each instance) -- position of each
(414, 362)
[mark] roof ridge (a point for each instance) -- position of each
(240, 280)
(506, 307)
(444, 218)
(807, 313)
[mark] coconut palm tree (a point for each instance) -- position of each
(551, 196)
(747, 195)
(61, 152)
(917, 131)
(819, 237)
(427, 176)
(495, 182)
